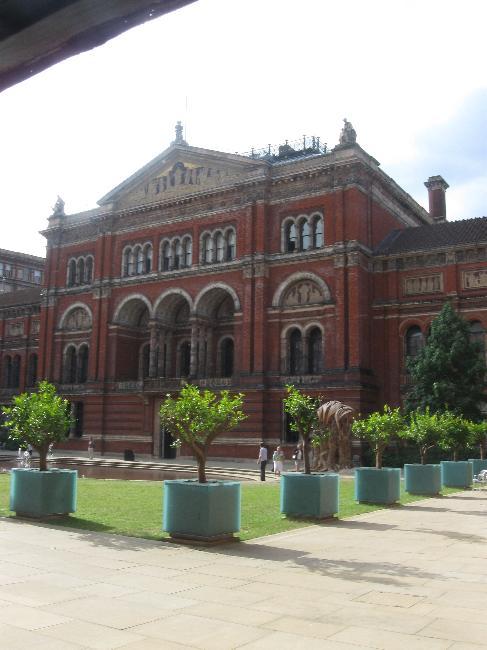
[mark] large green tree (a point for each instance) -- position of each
(39, 419)
(197, 417)
(449, 372)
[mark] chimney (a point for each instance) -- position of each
(436, 193)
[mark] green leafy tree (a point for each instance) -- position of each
(455, 433)
(302, 410)
(478, 436)
(425, 430)
(379, 428)
(449, 372)
(39, 419)
(197, 417)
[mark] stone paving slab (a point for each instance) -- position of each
(410, 577)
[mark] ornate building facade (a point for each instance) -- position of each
(301, 265)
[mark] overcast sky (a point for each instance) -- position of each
(410, 75)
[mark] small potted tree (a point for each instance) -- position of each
(454, 436)
(200, 510)
(379, 485)
(304, 494)
(39, 419)
(424, 429)
(478, 438)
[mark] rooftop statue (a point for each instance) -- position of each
(179, 134)
(58, 209)
(348, 134)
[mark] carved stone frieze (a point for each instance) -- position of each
(423, 284)
(474, 279)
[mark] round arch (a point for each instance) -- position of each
(124, 306)
(215, 286)
(296, 277)
(75, 305)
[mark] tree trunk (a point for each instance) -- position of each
(378, 458)
(455, 454)
(43, 457)
(307, 468)
(422, 456)
(200, 456)
(482, 450)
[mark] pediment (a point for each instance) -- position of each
(180, 171)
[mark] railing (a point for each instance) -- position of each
(174, 383)
(129, 385)
(296, 149)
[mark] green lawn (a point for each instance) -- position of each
(135, 507)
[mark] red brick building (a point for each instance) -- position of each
(301, 265)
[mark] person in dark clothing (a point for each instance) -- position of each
(262, 460)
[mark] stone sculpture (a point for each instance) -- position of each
(335, 450)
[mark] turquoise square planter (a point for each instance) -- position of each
(456, 473)
(43, 494)
(310, 495)
(422, 479)
(478, 465)
(377, 485)
(201, 510)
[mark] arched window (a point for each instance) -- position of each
(295, 352)
(126, 262)
(414, 341)
(291, 238)
(187, 251)
(139, 260)
(80, 271)
(304, 236)
(148, 258)
(185, 359)
(82, 364)
(207, 249)
(32, 370)
(227, 348)
(231, 245)
(220, 246)
(89, 270)
(132, 262)
(166, 257)
(178, 254)
(71, 273)
(145, 360)
(70, 365)
(7, 372)
(318, 239)
(315, 348)
(16, 371)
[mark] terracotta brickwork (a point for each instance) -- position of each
(240, 273)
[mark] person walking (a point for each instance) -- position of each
(91, 447)
(298, 457)
(278, 458)
(262, 460)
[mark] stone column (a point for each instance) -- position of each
(304, 355)
(153, 349)
(210, 364)
(201, 352)
(162, 362)
(193, 364)
(168, 361)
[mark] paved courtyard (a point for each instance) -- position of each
(410, 577)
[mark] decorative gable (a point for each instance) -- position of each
(183, 170)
